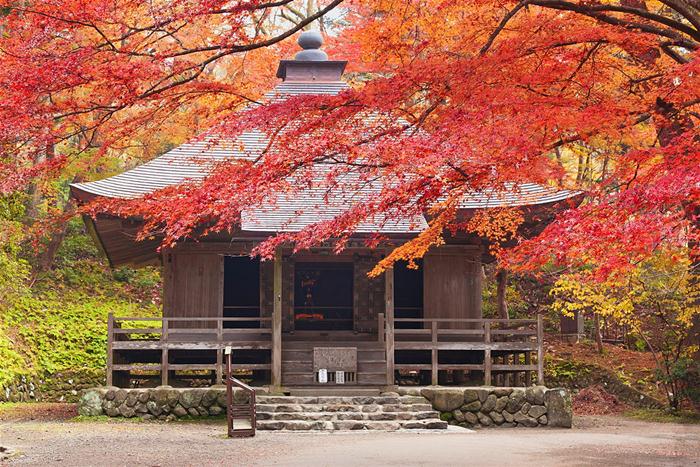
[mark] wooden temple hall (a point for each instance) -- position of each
(312, 319)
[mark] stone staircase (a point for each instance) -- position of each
(383, 412)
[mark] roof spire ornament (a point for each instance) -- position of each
(311, 42)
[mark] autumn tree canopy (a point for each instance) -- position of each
(466, 96)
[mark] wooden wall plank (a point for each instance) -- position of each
(452, 283)
(193, 287)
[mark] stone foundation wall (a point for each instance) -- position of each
(504, 407)
(161, 403)
(468, 407)
(58, 387)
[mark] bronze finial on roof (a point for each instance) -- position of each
(311, 63)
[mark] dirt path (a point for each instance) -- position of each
(594, 441)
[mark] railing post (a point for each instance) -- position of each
(380, 327)
(110, 339)
(164, 352)
(219, 342)
(276, 377)
(540, 350)
(229, 393)
(389, 310)
(434, 353)
(487, 353)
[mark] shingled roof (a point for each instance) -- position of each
(312, 75)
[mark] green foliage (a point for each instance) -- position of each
(57, 320)
(565, 370)
(657, 301)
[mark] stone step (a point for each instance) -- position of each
(342, 416)
(367, 408)
(354, 400)
(299, 425)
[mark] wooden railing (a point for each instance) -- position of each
(244, 412)
(166, 334)
(509, 339)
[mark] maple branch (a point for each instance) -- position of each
(494, 34)
(686, 11)
(678, 28)
(200, 67)
(594, 11)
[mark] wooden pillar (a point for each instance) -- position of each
(487, 353)
(389, 317)
(434, 354)
(110, 356)
(276, 377)
(219, 343)
(528, 373)
(164, 353)
(540, 351)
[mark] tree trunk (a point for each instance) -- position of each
(596, 331)
(502, 304)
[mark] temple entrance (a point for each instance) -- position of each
(241, 290)
(323, 296)
(408, 294)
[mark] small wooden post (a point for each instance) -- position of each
(487, 353)
(380, 327)
(540, 350)
(164, 353)
(110, 338)
(389, 311)
(219, 342)
(528, 373)
(434, 354)
(276, 377)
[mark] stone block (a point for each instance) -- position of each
(489, 404)
(535, 395)
(90, 404)
(120, 396)
(110, 408)
(215, 410)
(525, 420)
(507, 416)
(126, 411)
(536, 411)
(209, 397)
(474, 406)
(484, 419)
(154, 408)
(501, 403)
(471, 418)
(470, 395)
(496, 417)
(131, 399)
(445, 400)
(515, 400)
(190, 399)
(502, 392)
(558, 404)
(141, 408)
(458, 415)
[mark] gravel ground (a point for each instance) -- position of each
(593, 441)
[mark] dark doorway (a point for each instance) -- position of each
(241, 291)
(408, 294)
(323, 296)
